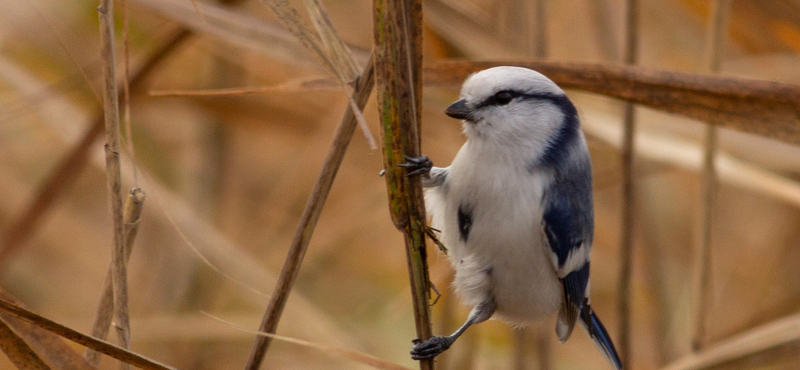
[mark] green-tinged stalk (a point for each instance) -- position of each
(398, 76)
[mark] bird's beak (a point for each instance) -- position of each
(458, 110)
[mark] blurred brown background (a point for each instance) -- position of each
(227, 178)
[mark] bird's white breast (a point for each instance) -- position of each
(504, 255)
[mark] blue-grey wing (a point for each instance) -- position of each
(568, 223)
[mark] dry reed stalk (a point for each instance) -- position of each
(325, 45)
(453, 20)
(67, 169)
(104, 314)
(542, 340)
(240, 29)
(757, 346)
(20, 354)
(702, 261)
(360, 357)
(102, 346)
(601, 12)
(339, 54)
(540, 36)
(334, 54)
(50, 347)
(688, 155)
(628, 205)
(113, 172)
(398, 77)
(521, 341)
(765, 108)
(296, 85)
(229, 260)
(309, 218)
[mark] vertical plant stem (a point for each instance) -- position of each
(305, 228)
(702, 265)
(113, 174)
(521, 343)
(398, 76)
(540, 41)
(543, 340)
(134, 204)
(626, 224)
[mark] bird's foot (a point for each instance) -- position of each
(417, 165)
(430, 348)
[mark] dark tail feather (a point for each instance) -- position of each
(599, 335)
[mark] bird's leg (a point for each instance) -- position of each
(429, 231)
(417, 165)
(438, 344)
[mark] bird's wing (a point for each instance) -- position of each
(568, 227)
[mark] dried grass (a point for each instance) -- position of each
(353, 289)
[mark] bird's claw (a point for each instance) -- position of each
(417, 165)
(430, 348)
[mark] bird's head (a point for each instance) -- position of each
(513, 105)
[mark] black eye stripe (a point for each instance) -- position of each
(499, 98)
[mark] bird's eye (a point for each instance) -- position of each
(503, 97)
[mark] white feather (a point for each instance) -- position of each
(505, 255)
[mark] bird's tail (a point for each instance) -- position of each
(599, 335)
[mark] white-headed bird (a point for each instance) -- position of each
(515, 207)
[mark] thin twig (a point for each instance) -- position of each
(308, 221)
(102, 346)
(240, 28)
(765, 108)
(104, 314)
(757, 346)
(360, 357)
(626, 222)
(291, 86)
(688, 155)
(702, 264)
(398, 71)
(113, 172)
(326, 45)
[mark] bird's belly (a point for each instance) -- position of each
(503, 255)
(505, 258)
(524, 287)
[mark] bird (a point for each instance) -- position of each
(515, 209)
